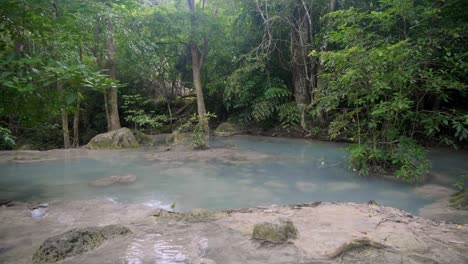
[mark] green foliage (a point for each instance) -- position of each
(194, 125)
(7, 140)
(135, 113)
(407, 160)
(391, 78)
(462, 183)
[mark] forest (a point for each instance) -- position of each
(390, 77)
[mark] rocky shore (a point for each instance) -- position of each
(314, 233)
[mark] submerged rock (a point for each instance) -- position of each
(75, 242)
(227, 129)
(116, 139)
(434, 191)
(111, 180)
(275, 232)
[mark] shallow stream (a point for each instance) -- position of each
(297, 171)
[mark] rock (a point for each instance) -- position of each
(141, 137)
(275, 232)
(38, 213)
(207, 261)
(177, 138)
(227, 129)
(111, 180)
(25, 147)
(194, 216)
(354, 244)
(116, 139)
(75, 242)
(460, 200)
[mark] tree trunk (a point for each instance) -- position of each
(197, 64)
(106, 108)
(196, 68)
(64, 115)
(114, 121)
(76, 123)
(301, 66)
(321, 85)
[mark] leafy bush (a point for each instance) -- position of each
(406, 160)
(194, 125)
(133, 108)
(7, 140)
(462, 183)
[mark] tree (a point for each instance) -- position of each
(199, 53)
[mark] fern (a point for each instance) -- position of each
(288, 115)
(279, 93)
(263, 110)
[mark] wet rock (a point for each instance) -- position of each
(111, 180)
(460, 200)
(6, 203)
(355, 245)
(275, 232)
(207, 261)
(117, 139)
(227, 129)
(75, 242)
(38, 213)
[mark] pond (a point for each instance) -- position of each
(296, 171)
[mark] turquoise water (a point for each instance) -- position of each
(298, 171)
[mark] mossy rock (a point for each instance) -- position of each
(194, 216)
(227, 129)
(460, 200)
(141, 137)
(177, 138)
(25, 147)
(275, 232)
(75, 242)
(117, 139)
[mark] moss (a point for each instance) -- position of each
(194, 216)
(460, 200)
(275, 233)
(26, 146)
(227, 129)
(142, 137)
(117, 139)
(75, 242)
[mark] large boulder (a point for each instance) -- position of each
(116, 139)
(75, 242)
(227, 129)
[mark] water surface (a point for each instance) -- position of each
(298, 171)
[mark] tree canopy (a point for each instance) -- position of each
(388, 76)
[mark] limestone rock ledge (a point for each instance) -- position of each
(314, 233)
